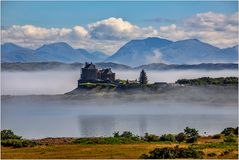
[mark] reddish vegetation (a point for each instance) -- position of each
(51, 140)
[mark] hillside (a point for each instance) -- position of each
(77, 66)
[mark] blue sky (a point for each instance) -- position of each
(106, 26)
(69, 14)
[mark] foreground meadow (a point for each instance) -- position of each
(219, 146)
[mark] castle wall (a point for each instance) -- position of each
(89, 74)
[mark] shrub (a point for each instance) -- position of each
(105, 140)
(151, 137)
(8, 134)
(226, 152)
(168, 137)
(181, 137)
(18, 143)
(228, 131)
(216, 136)
(211, 154)
(192, 134)
(209, 81)
(172, 153)
(230, 138)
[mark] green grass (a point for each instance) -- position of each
(88, 84)
(225, 145)
(105, 151)
(107, 140)
(99, 85)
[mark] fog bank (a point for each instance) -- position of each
(59, 82)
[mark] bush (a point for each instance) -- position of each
(18, 143)
(211, 154)
(226, 152)
(230, 138)
(168, 137)
(192, 134)
(8, 134)
(172, 153)
(216, 136)
(106, 140)
(209, 81)
(151, 137)
(229, 130)
(181, 137)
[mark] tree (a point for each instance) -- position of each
(8, 134)
(143, 77)
(127, 134)
(228, 131)
(192, 134)
(116, 134)
(181, 137)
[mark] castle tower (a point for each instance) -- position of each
(89, 72)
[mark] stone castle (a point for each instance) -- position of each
(91, 74)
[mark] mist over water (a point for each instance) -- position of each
(208, 109)
(49, 116)
(60, 82)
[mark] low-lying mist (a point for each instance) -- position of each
(61, 116)
(60, 82)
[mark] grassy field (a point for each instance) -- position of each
(119, 151)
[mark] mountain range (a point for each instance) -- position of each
(157, 50)
(133, 53)
(55, 52)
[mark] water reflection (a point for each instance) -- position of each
(106, 125)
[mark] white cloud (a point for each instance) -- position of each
(215, 28)
(33, 36)
(156, 57)
(118, 29)
(110, 34)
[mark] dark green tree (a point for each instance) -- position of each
(143, 77)
(116, 134)
(181, 137)
(228, 131)
(127, 134)
(192, 134)
(8, 134)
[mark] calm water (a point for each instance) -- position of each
(39, 118)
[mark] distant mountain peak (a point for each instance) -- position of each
(58, 44)
(58, 52)
(158, 50)
(9, 44)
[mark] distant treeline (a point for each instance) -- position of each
(210, 81)
(35, 66)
